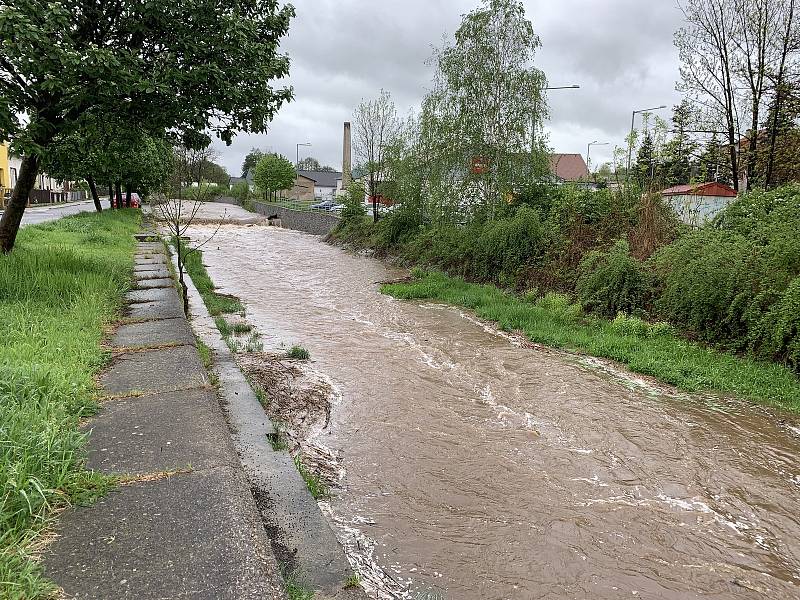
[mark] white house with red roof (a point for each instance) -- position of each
(697, 203)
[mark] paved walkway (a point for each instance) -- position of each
(186, 526)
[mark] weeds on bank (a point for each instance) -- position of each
(298, 353)
(352, 582)
(295, 588)
(314, 483)
(649, 349)
(63, 283)
(216, 303)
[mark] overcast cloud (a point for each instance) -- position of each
(619, 51)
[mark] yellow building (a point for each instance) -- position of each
(5, 170)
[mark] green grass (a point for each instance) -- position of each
(217, 304)
(206, 355)
(314, 484)
(296, 590)
(668, 358)
(60, 286)
(298, 353)
(352, 582)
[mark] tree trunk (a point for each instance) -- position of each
(752, 148)
(118, 193)
(111, 195)
(374, 199)
(773, 133)
(128, 190)
(12, 217)
(184, 289)
(93, 189)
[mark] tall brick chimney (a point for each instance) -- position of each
(346, 158)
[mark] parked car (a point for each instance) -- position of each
(135, 201)
(325, 205)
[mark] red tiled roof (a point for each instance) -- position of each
(711, 188)
(569, 167)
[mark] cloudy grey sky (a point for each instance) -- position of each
(619, 51)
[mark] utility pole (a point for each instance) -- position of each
(297, 162)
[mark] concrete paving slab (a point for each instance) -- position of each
(150, 259)
(160, 432)
(167, 294)
(153, 333)
(148, 267)
(192, 536)
(150, 247)
(155, 282)
(159, 273)
(154, 371)
(161, 309)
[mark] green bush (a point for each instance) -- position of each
(353, 210)
(613, 281)
(205, 192)
(396, 228)
(506, 246)
(240, 191)
(560, 306)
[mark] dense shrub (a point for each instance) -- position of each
(503, 248)
(241, 191)
(734, 282)
(613, 281)
(396, 228)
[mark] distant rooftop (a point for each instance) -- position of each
(322, 178)
(568, 167)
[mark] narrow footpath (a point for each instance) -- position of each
(183, 524)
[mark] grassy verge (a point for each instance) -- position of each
(217, 304)
(670, 359)
(62, 284)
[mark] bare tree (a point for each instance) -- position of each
(788, 44)
(707, 51)
(756, 21)
(376, 127)
(177, 213)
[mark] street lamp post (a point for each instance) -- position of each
(297, 162)
(630, 145)
(536, 109)
(589, 149)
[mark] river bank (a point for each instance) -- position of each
(558, 320)
(651, 350)
(476, 467)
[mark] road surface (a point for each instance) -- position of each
(42, 214)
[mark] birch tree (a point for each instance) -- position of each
(487, 104)
(376, 128)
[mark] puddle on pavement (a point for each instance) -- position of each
(476, 468)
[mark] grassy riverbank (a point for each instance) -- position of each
(648, 349)
(62, 284)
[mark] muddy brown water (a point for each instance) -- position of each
(474, 468)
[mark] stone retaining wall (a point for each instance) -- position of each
(318, 223)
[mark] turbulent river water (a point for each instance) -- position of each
(476, 468)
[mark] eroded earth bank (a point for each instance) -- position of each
(470, 466)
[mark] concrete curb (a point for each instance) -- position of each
(301, 535)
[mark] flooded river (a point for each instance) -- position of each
(475, 468)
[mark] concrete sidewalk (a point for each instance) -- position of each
(186, 525)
